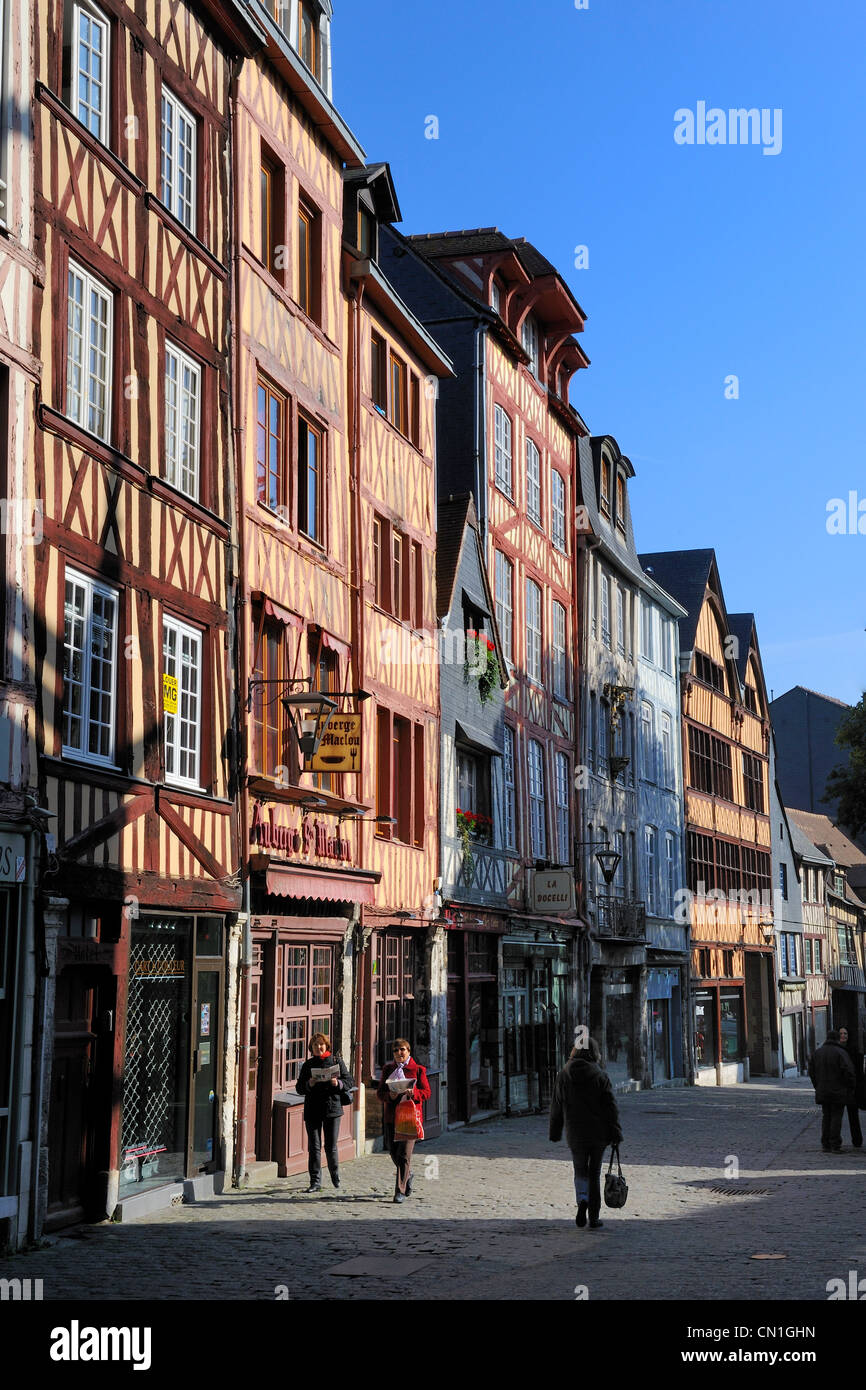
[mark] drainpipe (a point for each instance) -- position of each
(355, 294)
(241, 648)
(480, 446)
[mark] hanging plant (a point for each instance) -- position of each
(464, 835)
(482, 663)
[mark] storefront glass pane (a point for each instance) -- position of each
(658, 1010)
(732, 1026)
(156, 1064)
(705, 1028)
(789, 1040)
(618, 1036)
(206, 1063)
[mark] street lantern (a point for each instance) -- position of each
(309, 712)
(608, 861)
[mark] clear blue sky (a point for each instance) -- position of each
(704, 261)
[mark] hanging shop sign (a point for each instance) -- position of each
(306, 838)
(552, 891)
(12, 859)
(340, 749)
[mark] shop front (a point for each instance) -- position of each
(536, 1015)
(664, 1024)
(474, 1066)
(719, 1033)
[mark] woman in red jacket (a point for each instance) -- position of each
(401, 1149)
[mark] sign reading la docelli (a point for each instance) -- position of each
(552, 892)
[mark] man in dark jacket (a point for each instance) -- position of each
(857, 1102)
(583, 1100)
(832, 1075)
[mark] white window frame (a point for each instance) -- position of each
(620, 620)
(509, 827)
(502, 453)
(90, 588)
(183, 403)
(650, 857)
(180, 202)
(533, 482)
(605, 610)
(671, 863)
(647, 736)
(557, 510)
(173, 724)
(559, 647)
(563, 809)
(534, 631)
(646, 630)
(504, 576)
(94, 17)
(80, 347)
(537, 826)
(667, 747)
(530, 338)
(495, 297)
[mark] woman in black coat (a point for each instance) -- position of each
(583, 1100)
(858, 1100)
(323, 1109)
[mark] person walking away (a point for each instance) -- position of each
(859, 1102)
(323, 1109)
(583, 1101)
(832, 1074)
(404, 1067)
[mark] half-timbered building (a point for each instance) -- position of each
(726, 734)
(336, 432)
(507, 433)
(134, 590)
(23, 992)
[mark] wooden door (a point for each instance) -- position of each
(80, 1113)
(456, 1054)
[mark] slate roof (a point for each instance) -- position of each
(831, 699)
(684, 573)
(481, 241)
(830, 839)
(801, 842)
(740, 625)
(452, 515)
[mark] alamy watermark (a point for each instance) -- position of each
(736, 126)
(846, 517)
(22, 517)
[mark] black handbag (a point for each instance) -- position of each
(615, 1185)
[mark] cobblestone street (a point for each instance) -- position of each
(492, 1217)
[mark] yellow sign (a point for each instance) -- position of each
(340, 749)
(169, 694)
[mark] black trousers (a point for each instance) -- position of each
(314, 1146)
(401, 1151)
(854, 1125)
(587, 1175)
(831, 1126)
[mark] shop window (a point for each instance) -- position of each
(303, 1005)
(731, 1008)
(705, 1028)
(393, 990)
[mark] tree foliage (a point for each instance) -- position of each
(848, 781)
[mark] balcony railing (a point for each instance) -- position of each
(620, 918)
(487, 877)
(845, 976)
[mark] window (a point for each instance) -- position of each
(728, 870)
(181, 701)
(302, 1005)
(307, 233)
(393, 993)
(710, 672)
(398, 573)
(87, 43)
(620, 502)
(752, 700)
(504, 581)
(620, 621)
(530, 344)
(495, 297)
(783, 881)
(537, 827)
(182, 414)
(592, 595)
(271, 447)
(399, 412)
(603, 753)
(325, 669)
(592, 731)
(560, 652)
(270, 745)
(272, 184)
(630, 748)
(605, 609)
(650, 868)
(366, 233)
(647, 743)
(670, 871)
(700, 863)
(619, 884)
(89, 347)
(563, 809)
(415, 409)
(533, 631)
(473, 788)
(400, 777)
(557, 509)
(646, 630)
(788, 952)
(753, 782)
(310, 480)
(533, 483)
(502, 450)
(710, 764)
(510, 807)
(89, 669)
(308, 38)
(378, 372)
(605, 487)
(722, 778)
(178, 159)
(667, 654)
(667, 748)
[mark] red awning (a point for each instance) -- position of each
(335, 645)
(282, 615)
(285, 882)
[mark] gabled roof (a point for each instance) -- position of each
(742, 626)
(685, 574)
(457, 522)
(831, 699)
(830, 839)
(803, 846)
